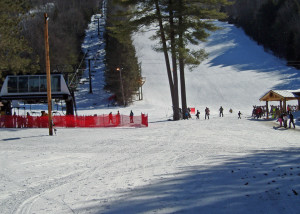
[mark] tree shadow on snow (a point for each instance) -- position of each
(162, 121)
(264, 182)
(17, 138)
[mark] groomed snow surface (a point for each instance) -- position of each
(221, 165)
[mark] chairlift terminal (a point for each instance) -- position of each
(32, 89)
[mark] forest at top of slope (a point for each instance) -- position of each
(275, 24)
(22, 49)
(272, 23)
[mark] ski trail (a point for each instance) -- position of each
(32, 195)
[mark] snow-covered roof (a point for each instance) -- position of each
(276, 95)
(285, 93)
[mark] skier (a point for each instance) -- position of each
(186, 115)
(206, 113)
(291, 120)
(280, 119)
(189, 113)
(53, 125)
(239, 115)
(258, 112)
(288, 109)
(131, 116)
(198, 114)
(221, 111)
(110, 117)
(285, 119)
(118, 118)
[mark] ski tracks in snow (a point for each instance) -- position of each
(29, 198)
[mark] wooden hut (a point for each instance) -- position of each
(282, 96)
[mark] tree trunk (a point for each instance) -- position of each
(181, 62)
(174, 62)
(165, 50)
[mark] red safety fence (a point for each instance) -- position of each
(7, 121)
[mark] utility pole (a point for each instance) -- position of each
(141, 98)
(121, 83)
(49, 98)
(90, 77)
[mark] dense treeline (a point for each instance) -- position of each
(121, 57)
(67, 24)
(22, 34)
(16, 55)
(272, 23)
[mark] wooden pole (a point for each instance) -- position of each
(267, 109)
(281, 110)
(49, 98)
(121, 83)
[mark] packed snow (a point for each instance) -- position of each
(220, 165)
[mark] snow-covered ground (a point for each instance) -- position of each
(220, 165)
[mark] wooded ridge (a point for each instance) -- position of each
(275, 24)
(22, 34)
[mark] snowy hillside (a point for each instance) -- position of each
(236, 74)
(216, 166)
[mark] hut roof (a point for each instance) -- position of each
(277, 95)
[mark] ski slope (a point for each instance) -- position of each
(220, 165)
(235, 75)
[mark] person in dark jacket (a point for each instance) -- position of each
(198, 114)
(239, 114)
(221, 111)
(291, 120)
(110, 117)
(131, 116)
(207, 113)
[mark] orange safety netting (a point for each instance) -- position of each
(8, 121)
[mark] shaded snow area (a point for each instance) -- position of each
(221, 165)
(93, 97)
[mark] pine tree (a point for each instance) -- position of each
(180, 22)
(121, 55)
(15, 54)
(194, 23)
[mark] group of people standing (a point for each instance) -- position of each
(110, 117)
(221, 113)
(207, 112)
(283, 119)
(258, 111)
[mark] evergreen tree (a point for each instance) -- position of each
(194, 23)
(146, 13)
(180, 23)
(120, 54)
(15, 54)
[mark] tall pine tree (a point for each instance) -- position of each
(193, 24)
(181, 23)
